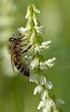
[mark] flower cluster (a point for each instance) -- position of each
(39, 64)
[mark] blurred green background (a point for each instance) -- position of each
(16, 92)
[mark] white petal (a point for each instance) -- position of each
(36, 10)
(42, 80)
(45, 109)
(42, 67)
(46, 43)
(37, 89)
(33, 78)
(39, 29)
(48, 106)
(34, 63)
(49, 85)
(49, 62)
(37, 49)
(44, 95)
(22, 30)
(41, 104)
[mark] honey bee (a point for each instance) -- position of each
(16, 45)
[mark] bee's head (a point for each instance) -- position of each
(13, 40)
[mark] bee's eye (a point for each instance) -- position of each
(13, 39)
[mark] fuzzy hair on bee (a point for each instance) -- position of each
(18, 46)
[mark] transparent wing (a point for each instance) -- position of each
(13, 67)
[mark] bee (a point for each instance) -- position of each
(17, 42)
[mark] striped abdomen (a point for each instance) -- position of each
(22, 67)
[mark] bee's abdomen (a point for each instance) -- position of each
(22, 67)
(24, 70)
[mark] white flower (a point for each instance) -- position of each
(49, 62)
(49, 85)
(30, 9)
(41, 104)
(49, 104)
(44, 94)
(42, 80)
(39, 29)
(42, 67)
(34, 63)
(37, 48)
(45, 44)
(37, 89)
(36, 10)
(33, 78)
(23, 30)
